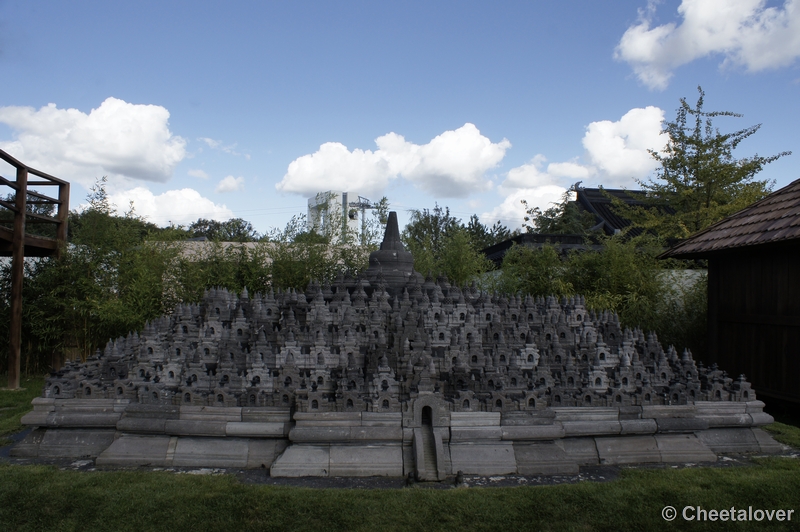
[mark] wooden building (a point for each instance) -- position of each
(754, 292)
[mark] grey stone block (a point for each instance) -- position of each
(36, 418)
(630, 412)
(535, 432)
(180, 427)
(75, 443)
(443, 432)
(255, 414)
(210, 413)
(730, 440)
(29, 446)
(468, 434)
(590, 428)
(382, 419)
(384, 460)
(474, 419)
(483, 459)
(254, 430)
(731, 420)
(766, 443)
(83, 419)
(683, 448)
(719, 408)
(582, 450)
(262, 452)
(408, 458)
(319, 434)
(687, 424)
(638, 426)
(142, 425)
(583, 414)
(754, 406)
(376, 434)
(327, 419)
(46, 404)
(135, 450)
(543, 459)
(89, 406)
(545, 416)
(669, 411)
(301, 460)
(211, 452)
(761, 418)
(443, 461)
(135, 410)
(628, 450)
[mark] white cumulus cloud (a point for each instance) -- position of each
(616, 155)
(619, 149)
(538, 183)
(745, 33)
(118, 139)
(182, 206)
(512, 213)
(453, 164)
(230, 184)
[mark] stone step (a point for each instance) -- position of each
(429, 446)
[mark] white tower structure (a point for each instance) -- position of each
(332, 206)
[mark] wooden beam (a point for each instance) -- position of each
(41, 196)
(6, 182)
(8, 205)
(17, 275)
(63, 217)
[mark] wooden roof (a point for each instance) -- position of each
(774, 219)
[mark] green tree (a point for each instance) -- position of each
(233, 230)
(539, 272)
(107, 282)
(460, 260)
(699, 177)
(483, 236)
(624, 277)
(426, 232)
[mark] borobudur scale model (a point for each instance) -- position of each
(392, 374)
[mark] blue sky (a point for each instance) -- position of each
(246, 109)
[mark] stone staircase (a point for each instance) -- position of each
(429, 452)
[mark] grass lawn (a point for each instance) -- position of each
(46, 498)
(15, 404)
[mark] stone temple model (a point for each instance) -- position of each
(391, 374)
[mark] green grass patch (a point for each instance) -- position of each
(45, 498)
(786, 434)
(16, 403)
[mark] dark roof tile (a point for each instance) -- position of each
(776, 218)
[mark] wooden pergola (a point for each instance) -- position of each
(15, 243)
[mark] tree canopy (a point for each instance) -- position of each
(441, 243)
(699, 177)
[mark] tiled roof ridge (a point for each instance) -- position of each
(789, 193)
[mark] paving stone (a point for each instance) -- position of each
(683, 448)
(628, 450)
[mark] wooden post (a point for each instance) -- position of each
(17, 274)
(63, 217)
